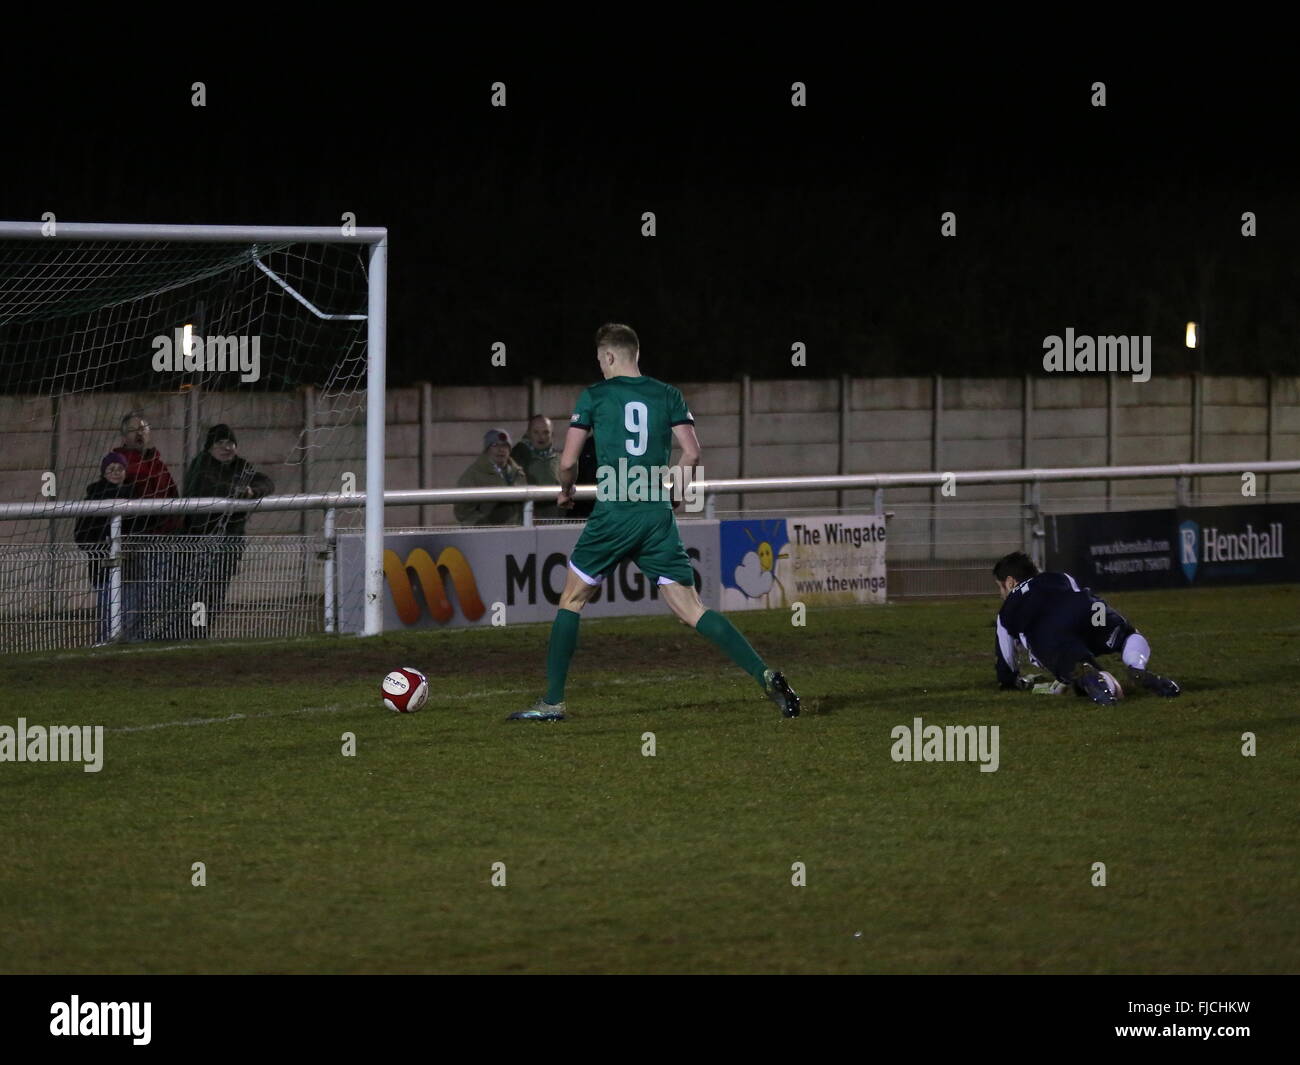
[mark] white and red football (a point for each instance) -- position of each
(405, 690)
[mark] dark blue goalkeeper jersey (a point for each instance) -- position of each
(1054, 619)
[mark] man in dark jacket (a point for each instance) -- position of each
(540, 461)
(494, 468)
(219, 471)
(92, 534)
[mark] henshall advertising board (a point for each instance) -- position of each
(1177, 548)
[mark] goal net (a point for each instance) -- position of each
(157, 368)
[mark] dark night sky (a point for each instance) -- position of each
(775, 224)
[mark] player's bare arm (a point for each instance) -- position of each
(688, 462)
(690, 446)
(574, 442)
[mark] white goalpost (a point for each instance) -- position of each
(185, 351)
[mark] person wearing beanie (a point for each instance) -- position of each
(494, 468)
(93, 533)
(218, 470)
(113, 458)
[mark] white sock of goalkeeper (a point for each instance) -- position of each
(1137, 652)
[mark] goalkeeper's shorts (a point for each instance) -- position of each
(1072, 638)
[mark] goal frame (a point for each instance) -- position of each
(376, 241)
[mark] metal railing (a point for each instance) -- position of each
(317, 561)
(1035, 477)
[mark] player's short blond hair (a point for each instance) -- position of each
(620, 338)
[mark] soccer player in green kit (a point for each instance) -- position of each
(635, 420)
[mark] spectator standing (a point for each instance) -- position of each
(492, 469)
(218, 470)
(151, 564)
(93, 536)
(540, 462)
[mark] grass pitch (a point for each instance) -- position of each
(680, 862)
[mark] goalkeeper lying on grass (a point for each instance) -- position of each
(1062, 627)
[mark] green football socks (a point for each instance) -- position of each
(727, 637)
(564, 640)
(712, 625)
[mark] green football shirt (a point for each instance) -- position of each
(632, 419)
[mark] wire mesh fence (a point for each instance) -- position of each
(58, 595)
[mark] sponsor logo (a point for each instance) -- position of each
(1210, 545)
(1246, 546)
(420, 571)
(1188, 534)
(527, 576)
(752, 552)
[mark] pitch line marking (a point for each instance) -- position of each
(194, 721)
(191, 722)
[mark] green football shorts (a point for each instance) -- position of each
(647, 535)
